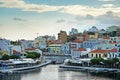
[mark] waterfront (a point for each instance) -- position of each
(52, 72)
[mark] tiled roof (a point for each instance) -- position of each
(100, 51)
(113, 50)
(81, 49)
(107, 38)
(78, 41)
(14, 51)
(30, 49)
(113, 42)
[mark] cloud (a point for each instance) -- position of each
(109, 18)
(60, 21)
(18, 19)
(87, 17)
(108, 5)
(106, 0)
(69, 9)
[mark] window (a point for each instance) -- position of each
(92, 55)
(99, 55)
(96, 55)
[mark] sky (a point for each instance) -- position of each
(24, 19)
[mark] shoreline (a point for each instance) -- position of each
(91, 69)
(23, 69)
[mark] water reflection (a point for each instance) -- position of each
(52, 72)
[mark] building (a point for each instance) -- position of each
(112, 53)
(80, 53)
(5, 47)
(26, 44)
(62, 36)
(4, 44)
(76, 44)
(99, 53)
(91, 44)
(65, 48)
(55, 49)
(118, 50)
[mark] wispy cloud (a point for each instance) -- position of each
(60, 21)
(18, 19)
(69, 9)
(107, 5)
(106, 0)
(109, 18)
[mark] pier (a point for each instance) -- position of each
(15, 70)
(91, 69)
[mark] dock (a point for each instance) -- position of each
(15, 70)
(91, 69)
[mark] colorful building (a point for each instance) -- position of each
(62, 36)
(55, 48)
(99, 53)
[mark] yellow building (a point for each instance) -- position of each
(99, 53)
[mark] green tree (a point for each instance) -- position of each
(5, 57)
(31, 56)
(96, 60)
(71, 38)
(37, 55)
(115, 60)
(14, 57)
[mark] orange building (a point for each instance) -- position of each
(62, 36)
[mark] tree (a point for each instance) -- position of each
(31, 56)
(96, 60)
(115, 60)
(5, 57)
(14, 57)
(37, 55)
(71, 38)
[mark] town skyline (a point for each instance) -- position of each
(23, 19)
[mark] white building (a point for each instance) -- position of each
(26, 44)
(4, 44)
(112, 53)
(80, 53)
(65, 48)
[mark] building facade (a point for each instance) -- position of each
(62, 36)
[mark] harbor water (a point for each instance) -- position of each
(53, 72)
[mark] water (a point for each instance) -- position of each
(52, 72)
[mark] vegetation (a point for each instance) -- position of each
(106, 63)
(33, 55)
(30, 56)
(15, 42)
(14, 57)
(5, 57)
(97, 61)
(71, 38)
(91, 33)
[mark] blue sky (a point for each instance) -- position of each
(23, 19)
